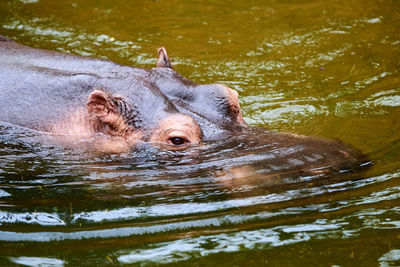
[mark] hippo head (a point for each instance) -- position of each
(160, 106)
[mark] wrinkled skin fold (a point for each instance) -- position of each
(78, 96)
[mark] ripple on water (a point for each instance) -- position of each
(37, 261)
(268, 238)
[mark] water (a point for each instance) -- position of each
(318, 68)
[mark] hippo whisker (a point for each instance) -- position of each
(128, 113)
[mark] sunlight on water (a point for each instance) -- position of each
(36, 261)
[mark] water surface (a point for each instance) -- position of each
(320, 68)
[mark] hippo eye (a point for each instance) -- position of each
(178, 141)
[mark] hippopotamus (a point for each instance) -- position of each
(41, 88)
(68, 94)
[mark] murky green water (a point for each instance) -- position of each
(319, 68)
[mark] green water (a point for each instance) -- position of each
(319, 68)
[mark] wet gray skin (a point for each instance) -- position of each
(39, 88)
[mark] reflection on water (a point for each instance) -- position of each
(309, 67)
(36, 261)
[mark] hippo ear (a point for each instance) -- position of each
(163, 59)
(100, 104)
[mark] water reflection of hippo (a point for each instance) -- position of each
(48, 91)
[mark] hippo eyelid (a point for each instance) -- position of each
(178, 140)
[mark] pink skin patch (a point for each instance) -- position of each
(76, 130)
(177, 132)
(106, 131)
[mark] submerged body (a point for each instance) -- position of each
(73, 95)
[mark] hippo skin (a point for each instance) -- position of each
(41, 88)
